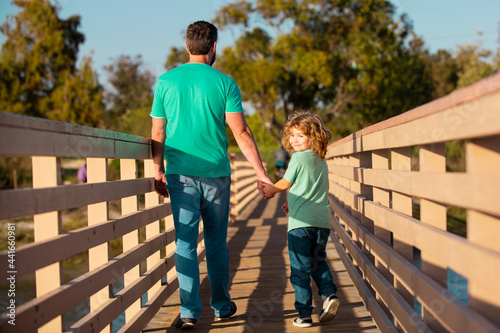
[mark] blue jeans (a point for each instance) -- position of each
(306, 247)
(192, 197)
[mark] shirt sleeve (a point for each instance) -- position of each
(233, 101)
(293, 169)
(157, 110)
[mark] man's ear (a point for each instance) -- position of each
(187, 48)
(213, 46)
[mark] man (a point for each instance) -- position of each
(191, 105)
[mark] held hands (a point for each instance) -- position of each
(268, 190)
(161, 186)
(265, 182)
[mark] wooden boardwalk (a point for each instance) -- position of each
(259, 283)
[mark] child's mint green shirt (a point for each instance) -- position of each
(308, 204)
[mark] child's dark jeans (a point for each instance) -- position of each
(306, 247)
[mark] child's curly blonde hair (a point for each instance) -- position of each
(313, 127)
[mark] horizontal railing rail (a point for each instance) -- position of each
(393, 202)
(141, 228)
(243, 185)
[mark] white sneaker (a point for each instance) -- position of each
(330, 306)
(303, 322)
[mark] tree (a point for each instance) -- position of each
(176, 57)
(38, 73)
(444, 73)
(474, 63)
(132, 87)
(347, 60)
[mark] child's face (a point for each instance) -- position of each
(298, 140)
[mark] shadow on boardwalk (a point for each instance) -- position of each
(259, 282)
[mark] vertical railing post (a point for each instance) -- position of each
(128, 170)
(401, 160)
(357, 161)
(432, 159)
(152, 229)
(97, 172)
(355, 186)
(46, 173)
(380, 160)
(483, 157)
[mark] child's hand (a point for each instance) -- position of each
(285, 207)
(267, 188)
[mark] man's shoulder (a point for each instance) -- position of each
(221, 74)
(199, 68)
(170, 72)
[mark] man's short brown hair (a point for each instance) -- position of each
(200, 37)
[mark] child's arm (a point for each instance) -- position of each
(280, 186)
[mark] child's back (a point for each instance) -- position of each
(308, 196)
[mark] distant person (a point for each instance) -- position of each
(82, 174)
(191, 106)
(309, 215)
(281, 158)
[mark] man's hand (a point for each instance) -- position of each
(161, 186)
(260, 186)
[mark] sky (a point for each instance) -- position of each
(151, 27)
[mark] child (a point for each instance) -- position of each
(309, 214)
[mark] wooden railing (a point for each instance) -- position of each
(243, 185)
(390, 195)
(145, 264)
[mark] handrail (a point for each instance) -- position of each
(389, 194)
(147, 233)
(243, 189)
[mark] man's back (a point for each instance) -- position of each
(194, 99)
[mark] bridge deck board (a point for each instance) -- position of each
(259, 283)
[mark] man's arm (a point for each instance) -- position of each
(246, 142)
(158, 136)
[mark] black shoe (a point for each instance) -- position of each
(330, 306)
(303, 322)
(231, 312)
(185, 323)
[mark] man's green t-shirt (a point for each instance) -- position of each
(308, 204)
(194, 99)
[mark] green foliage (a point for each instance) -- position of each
(78, 100)
(132, 91)
(444, 73)
(469, 63)
(136, 122)
(455, 156)
(234, 13)
(38, 74)
(262, 137)
(351, 62)
(176, 57)
(456, 220)
(15, 172)
(473, 64)
(341, 59)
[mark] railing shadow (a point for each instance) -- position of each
(265, 302)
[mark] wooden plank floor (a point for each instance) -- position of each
(259, 284)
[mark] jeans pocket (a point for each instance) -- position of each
(174, 183)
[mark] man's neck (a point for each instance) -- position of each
(199, 59)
